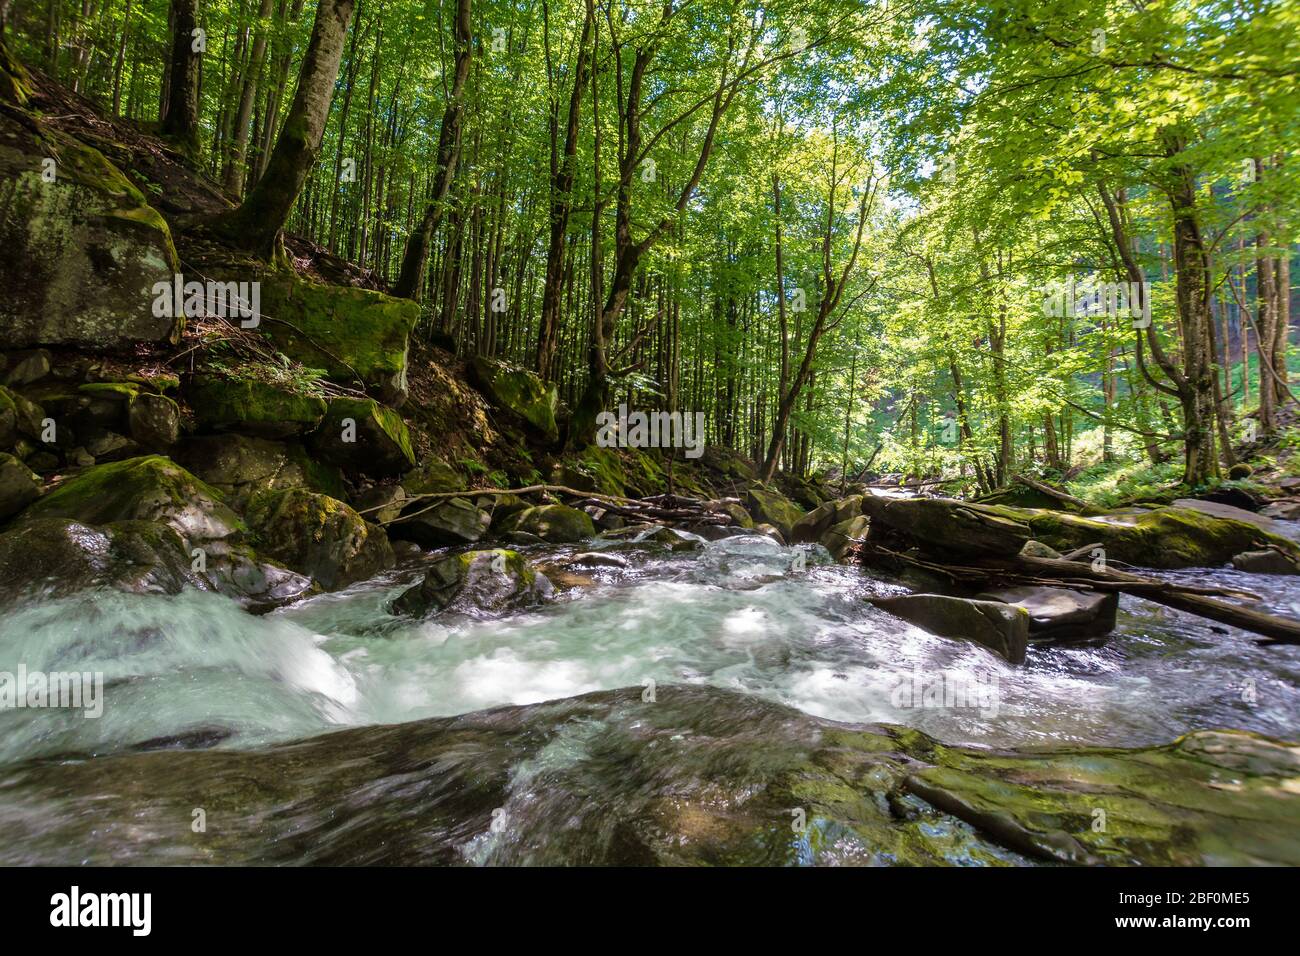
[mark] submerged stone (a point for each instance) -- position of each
(475, 583)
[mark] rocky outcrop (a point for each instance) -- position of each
(318, 536)
(519, 392)
(83, 249)
(556, 524)
(1002, 628)
(695, 776)
(476, 583)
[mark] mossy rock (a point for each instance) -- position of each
(19, 486)
(82, 252)
(349, 332)
(18, 417)
(318, 536)
(556, 524)
(434, 523)
(364, 436)
(432, 476)
(476, 583)
(252, 405)
(772, 507)
(154, 420)
(239, 466)
(813, 525)
(519, 392)
(151, 488)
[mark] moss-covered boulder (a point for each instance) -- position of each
(82, 247)
(519, 392)
(351, 333)
(239, 466)
(432, 476)
(152, 488)
(440, 523)
(363, 436)
(1002, 628)
(557, 524)
(154, 420)
(19, 486)
(318, 535)
(842, 539)
(19, 418)
(476, 583)
(1158, 537)
(813, 526)
(251, 405)
(772, 507)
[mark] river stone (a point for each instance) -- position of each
(432, 476)
(19, 418)
(103, 445)
(813, 526)
(1036, 549)
(519, 392)
(1285, 510)
(154, 420)
(556, 524)
(318, 536)
(364, 436)
(477, 583)
(81, 253)
(250, 405)
(1061, 613)
(771, 531)
(439, 524)
(1002, 628)
(696, 776)
(1265, 562)
(19, 486)
(774, 508)
(842, 539)
(380, 503)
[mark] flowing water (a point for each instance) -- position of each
(195, 670)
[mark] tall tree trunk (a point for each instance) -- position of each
(410, 281)
(181, 121)
(256, 224)
(236, 168)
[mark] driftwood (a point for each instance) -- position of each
(1054, 493)
(1059, 572)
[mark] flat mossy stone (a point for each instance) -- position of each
(249, 404)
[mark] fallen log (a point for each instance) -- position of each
(1055, 493)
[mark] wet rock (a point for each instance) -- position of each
(1002, 628)
(250, 405)
(739, 516)
(439, 524)
(699, 776)
(476, 583)
(1286, 510)
(597, 559)
(1061, 613)
(556, 524)
(771, 532)
(842, 539)
(380, 503)
(1265, 562)
(364, 436)
(318, 536)
(813, 526)
(81, 253)
(675, 540)
(432, 476)
(519, 392)
(774, 508)
(19, 486)
(154, 421)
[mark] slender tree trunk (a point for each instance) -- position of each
(181, 121)
(236, 168)
(256, 224)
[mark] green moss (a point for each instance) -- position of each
(519, 392)
(119, 390)
(219, 401)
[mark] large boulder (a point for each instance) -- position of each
(82, 248)
(351, 333)
(519, 392)
(476, 583)
(556, 524)
(239, 466)
(842, 539)
(772, 507)
(224, 402)
(440, 523)
(154, 421)
(155, 491)
(364, 436)
(432, 476)
(1061, 613)
(319, 536)
(1166, 537)
(19, 486)
(814, 525)
(1002, 628)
